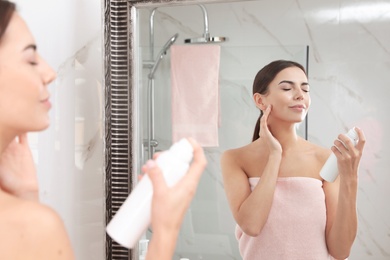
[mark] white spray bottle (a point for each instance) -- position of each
(329, 171)
(134, 216)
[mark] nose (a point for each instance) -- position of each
(50, 74)
(47, 72)
(299, 94)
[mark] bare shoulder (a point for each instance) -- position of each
(246, 161)
(32, 229)
(230, 155)
(319, 152)
(235, 156)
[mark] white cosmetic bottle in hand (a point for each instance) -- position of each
(134, 216)
(329, 171)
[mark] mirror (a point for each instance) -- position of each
(257, 32)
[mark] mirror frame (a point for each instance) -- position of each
(120, 100)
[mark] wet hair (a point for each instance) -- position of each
(6, 10)
(264, 77)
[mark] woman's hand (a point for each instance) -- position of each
(348, 155)
(341, 196)
(265, 133)
(169, 204)
(17, 170)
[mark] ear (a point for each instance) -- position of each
(259, 101)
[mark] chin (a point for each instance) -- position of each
(303, 117)
(42, 125)
(36, 129)
(298, 119)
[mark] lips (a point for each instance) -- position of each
(46, 102)
(298, 106)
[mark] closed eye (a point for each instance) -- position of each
(31, 55)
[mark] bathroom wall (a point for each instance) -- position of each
(69, 154)
(349, 65)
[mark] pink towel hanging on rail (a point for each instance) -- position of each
(195, 93)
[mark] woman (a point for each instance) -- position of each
(283, 208)
(30, 230)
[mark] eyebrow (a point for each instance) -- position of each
(292, 83)
(30, 46)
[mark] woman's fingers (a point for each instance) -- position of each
(266, 113)
(156, 177)
(362, 139)
(156, 155)
(264, 119)
(23, 139)
(268, 110)
(346, 150)
(345, 144)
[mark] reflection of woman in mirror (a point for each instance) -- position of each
(29, 229)
(283, 208)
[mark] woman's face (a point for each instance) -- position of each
(24, 76)
(289, 96)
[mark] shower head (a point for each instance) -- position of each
(168, 44)
(205, 40)
(206, 35)
(161, 54)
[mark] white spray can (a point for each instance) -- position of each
(134, 216)
(329, 171)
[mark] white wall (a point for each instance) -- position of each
(69, 155)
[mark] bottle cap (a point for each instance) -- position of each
(182, 149)
(353, 134)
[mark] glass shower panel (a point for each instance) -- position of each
(208, 228)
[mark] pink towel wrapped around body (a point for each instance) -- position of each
(295, 229)
(195, 93)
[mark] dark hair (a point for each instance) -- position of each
(6, 10)
(264, 77)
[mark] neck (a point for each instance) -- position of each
(5, 139)
(286, 134)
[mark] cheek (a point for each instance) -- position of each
(281, 100)
(18, 95)
(26, 87)
(308, 102)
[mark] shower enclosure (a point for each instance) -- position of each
(150, 143)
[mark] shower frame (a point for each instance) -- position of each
(150, 143)
(121, 118)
